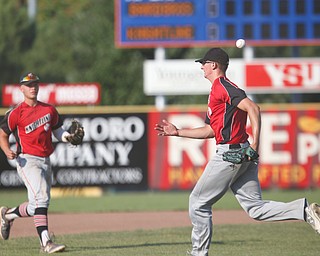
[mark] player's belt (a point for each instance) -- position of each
(240, 145)
(233, 146)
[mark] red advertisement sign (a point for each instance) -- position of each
(56, 94)
(176, 163)
(289, 150)
(283, 75)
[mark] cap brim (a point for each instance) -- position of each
(29, 82)
(200, 60)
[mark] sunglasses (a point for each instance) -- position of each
(31, 84)
(205, 62)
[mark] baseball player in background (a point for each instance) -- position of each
(235, 164)
(32, 123)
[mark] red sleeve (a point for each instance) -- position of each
(9, 122)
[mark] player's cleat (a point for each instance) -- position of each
(313, 216)
(5, 223)
(52, 248)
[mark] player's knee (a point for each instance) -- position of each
(254, 213)
(30, 209)
(199, 210)
(191, 199)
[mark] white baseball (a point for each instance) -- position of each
(240, 43)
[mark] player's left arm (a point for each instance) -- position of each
(253, 111)
(57, 130)
(61, 134)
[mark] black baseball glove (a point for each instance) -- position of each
(240, 155)
(76, 133)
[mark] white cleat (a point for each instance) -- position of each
(52, 248)
(5, 225)
(313, 216)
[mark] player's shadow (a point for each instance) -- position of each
(234, 242)
(146, 245)
(93, 248)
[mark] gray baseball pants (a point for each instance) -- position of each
(217, 178)
(36, 175)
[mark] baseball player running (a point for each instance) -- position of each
(235, 164)
(32, 123)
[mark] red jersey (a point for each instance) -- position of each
(226, 120)
(32, 127)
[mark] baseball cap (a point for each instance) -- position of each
(216, 55)
(29, 78)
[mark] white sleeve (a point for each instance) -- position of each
(61, 134)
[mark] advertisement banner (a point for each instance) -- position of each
(183, 77)
(59, 94)
(123, 151)
(113, 154)
(289, 150)
(177, 163)
(277, 75)
(283, 75)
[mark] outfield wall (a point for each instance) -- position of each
(121, 149)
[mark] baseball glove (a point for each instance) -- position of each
(76, 133)
(240, 155)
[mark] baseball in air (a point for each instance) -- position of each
(240, 43)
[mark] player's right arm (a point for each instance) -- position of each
(169, 129)
(254, 114)
(5, 146)
(7, 125)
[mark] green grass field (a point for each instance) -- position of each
(267, 239)
(146, 201)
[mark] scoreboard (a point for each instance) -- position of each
(189, 23)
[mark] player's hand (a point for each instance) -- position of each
(166, 129)
(11, 154)
(255, 147)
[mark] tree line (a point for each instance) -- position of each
(73, 41)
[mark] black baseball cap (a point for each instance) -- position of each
(216, 55)
(29, 78)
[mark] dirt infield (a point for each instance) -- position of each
(102, 222)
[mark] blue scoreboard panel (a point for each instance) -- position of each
(188, 23)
